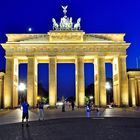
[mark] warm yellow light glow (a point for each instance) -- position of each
(38, 97)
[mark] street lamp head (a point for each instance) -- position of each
(108, 86)
(21, 87)
(90, 97)
(30, 29)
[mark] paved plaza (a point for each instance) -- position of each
(108, 124)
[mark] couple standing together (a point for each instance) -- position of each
(25, 113)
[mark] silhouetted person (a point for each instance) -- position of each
(25, 113)
(41, 110)
(88, 105)
(63, 107)
(98, 112)
(72, 104)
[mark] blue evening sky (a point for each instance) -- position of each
(98, 16)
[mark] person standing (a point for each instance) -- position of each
(72, 104)
(63, 107)
(25, 113)
(41, 111)
(98, 112)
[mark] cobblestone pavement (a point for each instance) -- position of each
(122, 112)
(108, 124)
(74, 129)
(14, 116)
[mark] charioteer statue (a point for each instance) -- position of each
(66, 23)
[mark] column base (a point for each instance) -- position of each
(100, 105)
(124, 106)
(52, 107)
(81, 106)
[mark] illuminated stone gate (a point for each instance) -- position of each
(66, 44)
(66, 47)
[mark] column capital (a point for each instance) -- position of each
(119, 56)
(99, 56)
(136, 78)
(9, 57)
(52, 60)
(2, 74)
(34, 58)
(79, 59)
(51, 56)
(131, 78)
(31, 56)
(122, 56)
(80, 55)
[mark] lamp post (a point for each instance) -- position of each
(108, 87)
(21, 88)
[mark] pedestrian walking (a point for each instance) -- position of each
(63, 107)
(41, 111)
(72, 104)
(98, 112)
(88, 106)
(25, 113)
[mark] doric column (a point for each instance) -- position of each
(11, 83)
(32, 81)
(0, 91)
(1, 88)
(137, 82)
(80, 83)
(15, 84)
(132, 92)
(116, 81)
(100, 81)
(137, 92)
(120, 81)
(124, 81)
(52, 81)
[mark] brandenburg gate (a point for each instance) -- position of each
(66, 44)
